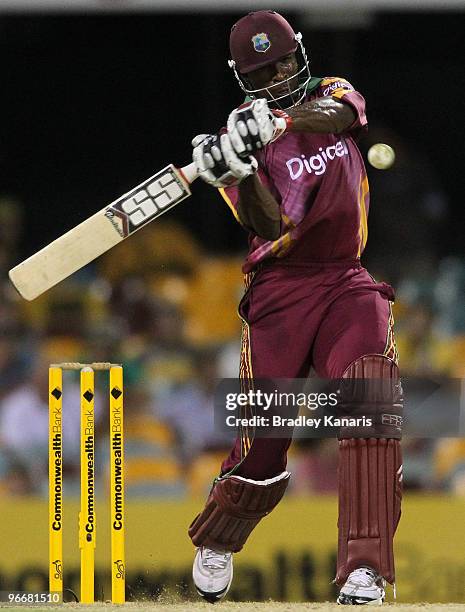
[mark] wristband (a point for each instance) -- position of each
(288, 121)
(283, 123)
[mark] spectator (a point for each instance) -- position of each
(24, 428)
(189, 409)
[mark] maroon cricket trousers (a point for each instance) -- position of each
(299, 316)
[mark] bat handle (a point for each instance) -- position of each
(189, 172)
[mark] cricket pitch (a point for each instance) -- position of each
(234, 607)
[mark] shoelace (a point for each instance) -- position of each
(214, 560)
(363, 577)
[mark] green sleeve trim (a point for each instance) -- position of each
(313, 84)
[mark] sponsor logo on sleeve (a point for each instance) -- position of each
(337, 86)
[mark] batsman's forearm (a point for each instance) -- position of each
(257, 209)
(325, 115)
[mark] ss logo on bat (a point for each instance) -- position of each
(148, 201)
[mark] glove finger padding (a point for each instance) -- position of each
(253, 125)
(217, 163)
(239, 167)
(209, 161)
(198, 139)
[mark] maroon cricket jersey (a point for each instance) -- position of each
(320, 183)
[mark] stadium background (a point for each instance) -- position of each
(92, 104)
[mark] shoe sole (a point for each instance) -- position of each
(352, 600)
(213, 597)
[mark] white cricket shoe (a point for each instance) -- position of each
(363, 587)
(212, 573)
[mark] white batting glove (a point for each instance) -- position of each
(217, 163)
(253, 125)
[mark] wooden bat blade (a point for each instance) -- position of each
(64, 256)
(102, 231)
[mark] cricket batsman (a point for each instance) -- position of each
(288, 166)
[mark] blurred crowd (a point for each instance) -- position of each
(165, 308)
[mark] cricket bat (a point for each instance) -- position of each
(102, 231)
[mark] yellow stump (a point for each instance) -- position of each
(87, 525)
(118, 568)
(55, 481)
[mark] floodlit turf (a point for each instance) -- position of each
(234, 607)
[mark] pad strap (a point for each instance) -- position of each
(371, 387)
